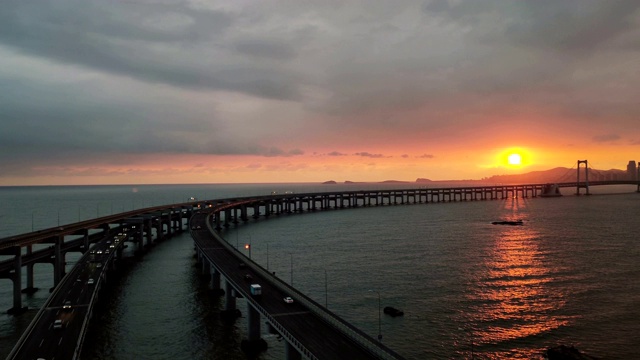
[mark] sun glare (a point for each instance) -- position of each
(514, 159)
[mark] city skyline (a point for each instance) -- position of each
(284, 91)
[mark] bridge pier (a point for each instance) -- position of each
(253, 322)
(291, 353)
(58, 261)
(215, 280)
(230, 298)
(206, 267)
(30, 289)
(17, 283)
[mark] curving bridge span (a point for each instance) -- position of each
(310, 330)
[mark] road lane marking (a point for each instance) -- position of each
(41, 341)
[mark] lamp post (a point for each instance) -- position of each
(267, 256)
(326, 293)
(248, 247)
(32, 220)
(291, 282)
(379, 316)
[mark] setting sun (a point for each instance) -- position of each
(514, 159)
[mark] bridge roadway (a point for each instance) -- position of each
(314, 336)
(42, 339)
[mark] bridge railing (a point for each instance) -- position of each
(364, 340)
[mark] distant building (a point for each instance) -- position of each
(632, 171)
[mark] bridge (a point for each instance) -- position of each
(217, 258)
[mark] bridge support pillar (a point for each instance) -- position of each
(140, 241)
(58, 261)
(253, 322)
(291, 353)
(206, 266)
(17, 283)
(30, 289)
(159, 230)
(230, 298)
(169, 224)
(85, 240)
(215, 279)
(147, 229)
(217, 221)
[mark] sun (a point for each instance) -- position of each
(514, 159)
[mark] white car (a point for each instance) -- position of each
(90, 282)
(57, 324)
(288, 300)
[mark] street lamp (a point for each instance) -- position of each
(267, 256)
(326, 296)
(291, 282)
(248, 247)
(379, 317)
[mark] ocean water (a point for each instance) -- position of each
(569, 275)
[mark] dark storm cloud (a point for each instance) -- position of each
(161, 43)
(143, 77)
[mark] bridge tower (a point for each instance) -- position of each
(586, 177)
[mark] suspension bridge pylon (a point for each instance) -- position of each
(586, 177)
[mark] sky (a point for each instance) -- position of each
(171, 91)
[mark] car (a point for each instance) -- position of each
(99, 252)
(57, 324)
(112, 246)
(67, 305)
(91, 281)
(99, 265)
(242, 265)
(248, 277)
(106, 251)
(288, 300)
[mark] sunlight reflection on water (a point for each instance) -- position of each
(514, 299)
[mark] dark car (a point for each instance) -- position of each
(248, 277)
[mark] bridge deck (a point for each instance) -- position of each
(321, 339)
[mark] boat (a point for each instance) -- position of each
(389, 310)
(516, 222)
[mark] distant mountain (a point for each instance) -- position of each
(555, 175)
(559, 174)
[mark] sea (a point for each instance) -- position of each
(570, 275)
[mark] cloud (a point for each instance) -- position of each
(606, 138)
(97, 81)
(366, 154)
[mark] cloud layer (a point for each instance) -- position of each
(101, 84)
